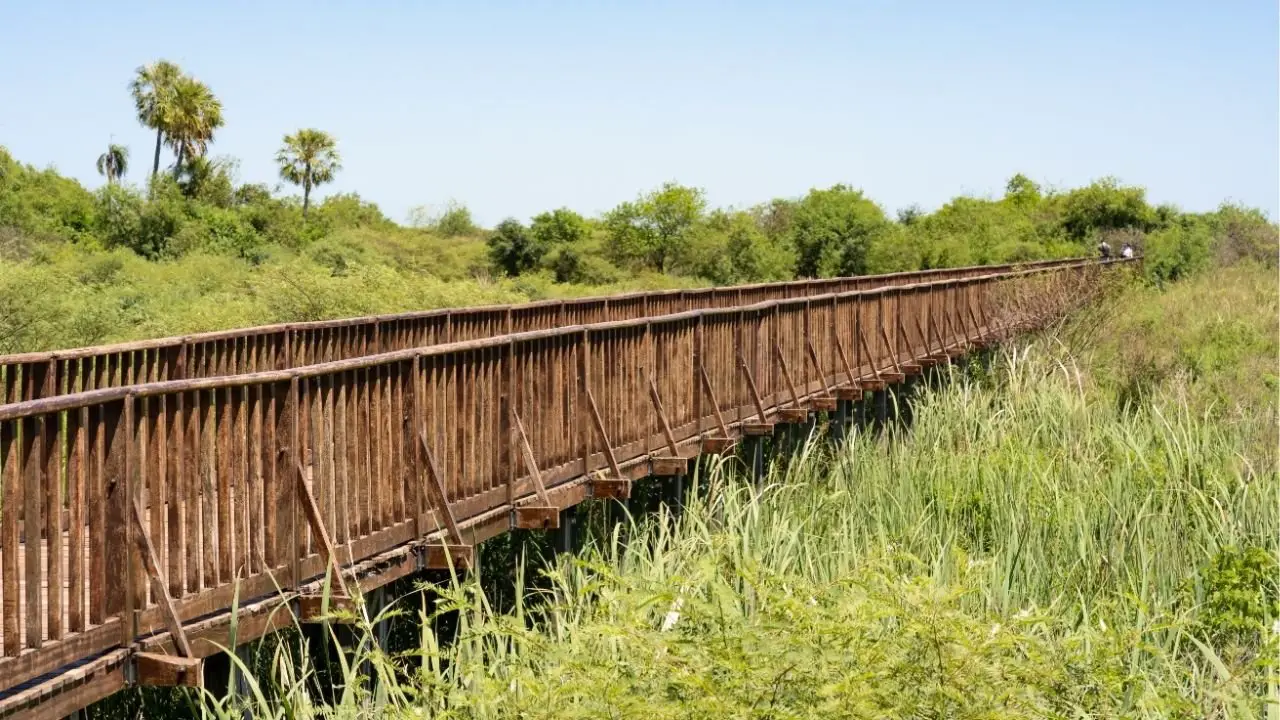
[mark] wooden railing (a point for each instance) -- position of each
(134, 509)
(32, 376)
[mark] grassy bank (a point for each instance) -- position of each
(1046, 541)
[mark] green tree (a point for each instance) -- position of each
(114, 163)
(308, 158)
(753, 255)
(1105, 205)
(153, 96)
(208, 180)
(195, 115)
(513, 249)
(657, 229)
(559, 227)
(1022, 190)
(832, 230)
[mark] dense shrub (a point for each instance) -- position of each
(832, 231)
(513, 248)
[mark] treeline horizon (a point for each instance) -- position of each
(192, 249)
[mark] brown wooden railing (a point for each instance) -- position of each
(32, 376)
(130, 511)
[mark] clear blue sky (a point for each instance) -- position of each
(518, 107)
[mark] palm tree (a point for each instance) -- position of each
(152, 90)
(196, 113)
(114, 163)
(308, 158)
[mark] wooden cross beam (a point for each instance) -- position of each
(546, 516)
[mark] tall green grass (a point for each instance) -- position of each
(1041, 542)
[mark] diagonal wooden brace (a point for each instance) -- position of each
(316, 521)
(530, 517)
(923, 338)
(159, 587)
(604, 436)
(435, 486)
(796, 413)
(755, 392)
(662, 417)
(844, 361)
(871, 359)
(715, 402)
(893, 354)
(977, 329)
(673, 464)
(786, 375)
(817, 367)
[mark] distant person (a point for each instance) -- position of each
(1126, 251)
(1104, 250)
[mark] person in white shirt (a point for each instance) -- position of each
(1126, 251)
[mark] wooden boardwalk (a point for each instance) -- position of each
(177, 478)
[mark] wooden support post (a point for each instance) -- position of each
(542, 517)
(159, 586)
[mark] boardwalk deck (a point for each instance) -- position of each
(182, 497)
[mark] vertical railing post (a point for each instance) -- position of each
(126, 492)
(694, 379)
(288, 458)
(583, 426)
(413, 493)
(510, 398)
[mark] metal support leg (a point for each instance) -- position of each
(564, 534)
(881, 401)
(755, 448)
(907, 400)
(839, 422)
